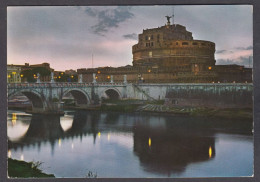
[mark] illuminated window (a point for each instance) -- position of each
(150, 54)
(210, 67)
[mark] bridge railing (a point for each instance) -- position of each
(61, 84)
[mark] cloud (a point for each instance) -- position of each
(221, 51)
(245, 48)
(91, 12)
(109, 18)
(132, 36)
(242, 60)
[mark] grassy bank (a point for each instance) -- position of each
(21, 169)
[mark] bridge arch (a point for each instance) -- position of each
(35, 97)
(80, 96)
(111, 93)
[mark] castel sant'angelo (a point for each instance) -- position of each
(169, 54)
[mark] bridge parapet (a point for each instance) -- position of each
(60, 84)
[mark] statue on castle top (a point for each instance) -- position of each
(168, 19)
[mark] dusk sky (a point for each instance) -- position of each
(67, 36)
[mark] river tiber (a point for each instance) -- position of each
(181, 107)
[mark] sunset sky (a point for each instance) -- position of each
(67, 36)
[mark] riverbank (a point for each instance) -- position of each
(228, 113)
(143, 106)
(22, 169)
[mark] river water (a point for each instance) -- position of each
(131, 145)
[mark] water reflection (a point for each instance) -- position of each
(166, 150)
(163, 145)
(16, 130)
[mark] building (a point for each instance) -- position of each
(27, 66)
(170, 54)
(14, 74)
(71, 72)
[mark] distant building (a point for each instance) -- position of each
(27, 66)
(14, 74)
(169, 54)
(71, 72)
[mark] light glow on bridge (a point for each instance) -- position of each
(9, 153)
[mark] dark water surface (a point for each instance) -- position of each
(132, 145)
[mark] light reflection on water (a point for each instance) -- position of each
(132, 145)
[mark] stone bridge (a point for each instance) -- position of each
(47, 97)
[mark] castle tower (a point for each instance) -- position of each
(172, 47)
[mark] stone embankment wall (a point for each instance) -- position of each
(211, 95)
(223, 95)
